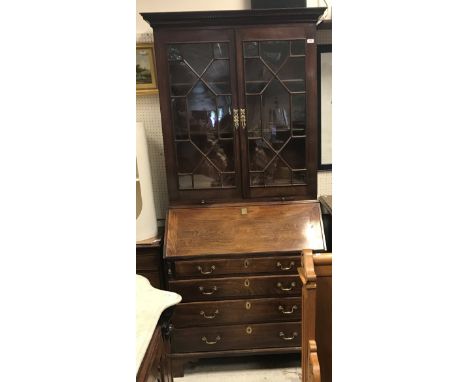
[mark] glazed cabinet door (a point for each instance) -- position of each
(198, 95)
(277, 91)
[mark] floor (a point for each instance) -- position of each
(274, 368)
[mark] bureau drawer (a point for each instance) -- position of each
(234, 337)
(147, 260)
(220, 288)
(249, 264)
(237, 312)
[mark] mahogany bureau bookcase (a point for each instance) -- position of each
(238, 101)
(235, 266)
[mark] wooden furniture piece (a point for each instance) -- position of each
(316, 277)
(238, 99)
(156, 364)
(149, 261)
(326, 206)
(235, 266)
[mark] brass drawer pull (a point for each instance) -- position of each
(281, 309)
(205, 340)
(294, 335)
(202, 290)
(279, 285)
(280, 266)
(207, 272)
(202, 313)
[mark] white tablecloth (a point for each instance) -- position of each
(150, 303)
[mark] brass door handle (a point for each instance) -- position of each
(202, 313)
(202, 290)
(235, 118)
(212, 268)
(242, 118)
(205, 340)
(281, 309)
(282, 335)
(280, 285)
(280, 266)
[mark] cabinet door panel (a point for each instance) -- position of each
(198, 95)
(277, 89)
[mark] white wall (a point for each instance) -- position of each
(192, 5)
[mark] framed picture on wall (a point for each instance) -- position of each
(146, 81)
(324, 76)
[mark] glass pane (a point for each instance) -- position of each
(274, 53)
(277, 173)
(187, 157)
(202, 115)
(276, 118)
(259, 154)
(298, 114)
(198, 56)
(257, 179)
(185, 182)
(299, 177)
(254, 112)
(229, 180)
(294, 153)
(293, 74)
(222, 156)
(257, 75)
(225, 117)
(206, 176)
(251, 49)
(298, 47)
(220, 50)
(217, 76)
(275, 114)
(179, 118)
(181, 78)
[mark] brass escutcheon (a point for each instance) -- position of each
(246, 263)
(248, 330)
(247, 283)
(248, 305)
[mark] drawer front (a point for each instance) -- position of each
(221, 288)
(215, 267)
(237, 312)
(147, 260)
(234, 337)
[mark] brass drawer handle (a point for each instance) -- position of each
(281, 309)
(207, 272)
(294, 335)
(202, 290)
(202, 313)
(205, 340)
(279, 285)
(280, 266)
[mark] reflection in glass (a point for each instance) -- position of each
(293, 75)
(274, 53)
(251, 49)
(257, 75)
(297, 47)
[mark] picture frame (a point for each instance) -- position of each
(324, 76)
(146, 77)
